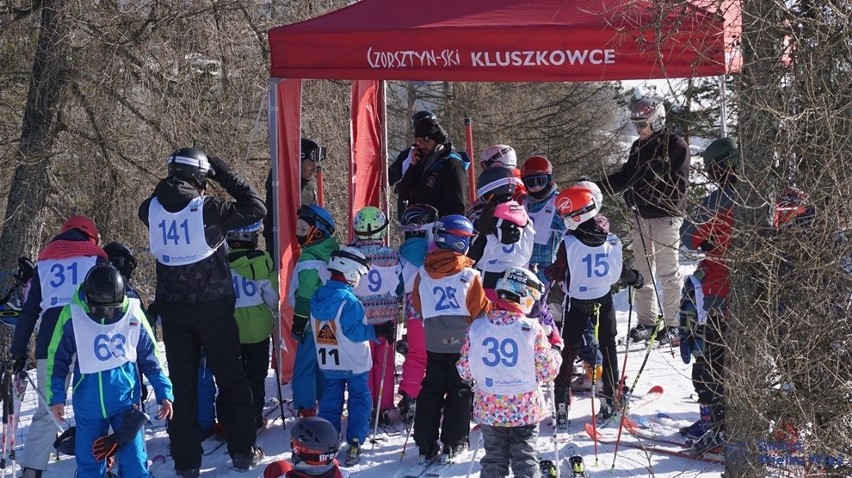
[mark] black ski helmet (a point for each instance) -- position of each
(423, 115)
(310, 150)
(498, 183)
(418, 220)
(722, 154)
(121, 258)
(314, 441)
(190, 164)
(104, 290)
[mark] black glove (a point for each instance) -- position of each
(219, 168)
(104, 447)
(300, 323)
(20, 365)
(639, 282)
(386, 330)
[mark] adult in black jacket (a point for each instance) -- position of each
(436, 175)
(195, 299)
(403, 160)
(654, 181)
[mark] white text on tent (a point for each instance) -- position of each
(541, 57)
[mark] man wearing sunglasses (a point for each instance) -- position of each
(654, 181)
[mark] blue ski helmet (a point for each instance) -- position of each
(453, 232)
(242, 237)
(320, 220)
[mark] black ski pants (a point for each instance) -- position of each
(256, 365)
(186, 327)
(443, 392)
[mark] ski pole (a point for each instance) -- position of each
(597, 312)
(626, 345)
(661, 317)
(381, 391)
(473, 458)
(555, 427)
(278, 381)
(43, 401)
(407, 437)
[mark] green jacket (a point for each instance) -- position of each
(256, 288)
(310, 273)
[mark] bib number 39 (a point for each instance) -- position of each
(500, 352)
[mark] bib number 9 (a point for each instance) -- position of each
(500, 352)
(375, 280)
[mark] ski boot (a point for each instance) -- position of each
(701, 426)
(669, 335)
(641, 333)
(548, 469)
(608, 412)
(427, 454)
(353, 454)
(578, 468)
(713, 441)
(584, 382)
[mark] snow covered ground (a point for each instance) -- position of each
(385, 458)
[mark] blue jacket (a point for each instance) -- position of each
(103, 394)
(327, 299)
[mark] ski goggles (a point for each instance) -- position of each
(536, 182)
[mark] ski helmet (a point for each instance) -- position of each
(453, 232)
(104, 290)
(498, 183)
(648, 112)
(423, 115)
(792, 204)
(521, 286)
(121, 258)
(498, 155)
(510, 218)
(350, 262)
(189, 164)
(595, 190)
(244, 237)
(370, 223)
(721, 155)
(82, 224)
(314, 441)
(537, 174)
(576, 205)
(430, 129)
(310, 150)
(418, 220)
(25, 269)
(320, 221)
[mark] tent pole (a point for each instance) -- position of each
(468, 137)
(385, 191)
(723, 111)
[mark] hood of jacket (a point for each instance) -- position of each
(413, 250)
(440, 263)
(250, 263)
(174, 194)
(321, 251)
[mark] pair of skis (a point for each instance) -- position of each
(607, 437)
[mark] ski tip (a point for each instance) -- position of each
(644, 422)
(656, 389)
(591, 431)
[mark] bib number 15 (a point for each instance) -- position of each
(599, 268)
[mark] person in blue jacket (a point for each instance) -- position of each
(110, 336)
(342, 344)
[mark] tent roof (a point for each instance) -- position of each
(509, 40)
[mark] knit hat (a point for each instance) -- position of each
(430, 129)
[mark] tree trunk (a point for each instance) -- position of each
(23, 219)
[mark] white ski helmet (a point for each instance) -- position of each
(521, 286)
(648, 112)
(596, 191)
(498, 155)
(350, 262)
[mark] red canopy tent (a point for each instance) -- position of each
(485, 41)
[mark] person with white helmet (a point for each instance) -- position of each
(589, 263)
(654, 181)
(342, 335)
(381, 294)
(508, 356)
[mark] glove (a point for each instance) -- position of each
(386, 330)
(219, 168)
(300, 323)
(106, 447)
(639, 282)
(555, 340)
(20, 365)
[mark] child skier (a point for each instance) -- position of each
(314, 442)
(509, 355)
(110, 336)
(341, 335)
(381, 295)
(448, 294)
(592, 265)
(256, 288)
(418, 220)
(314, 230)
(704, 304)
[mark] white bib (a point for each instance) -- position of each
(177, 239)
(593, 269)
(502, 357)
(447, 295)
(701, 314)
(542, 220)
(335, 352)
(497, 257)
(246, 290)
(108, 346)
(409, 272)
(379, 281)
(59, 279)
(322, 270)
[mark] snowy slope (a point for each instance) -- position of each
(385, 460)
